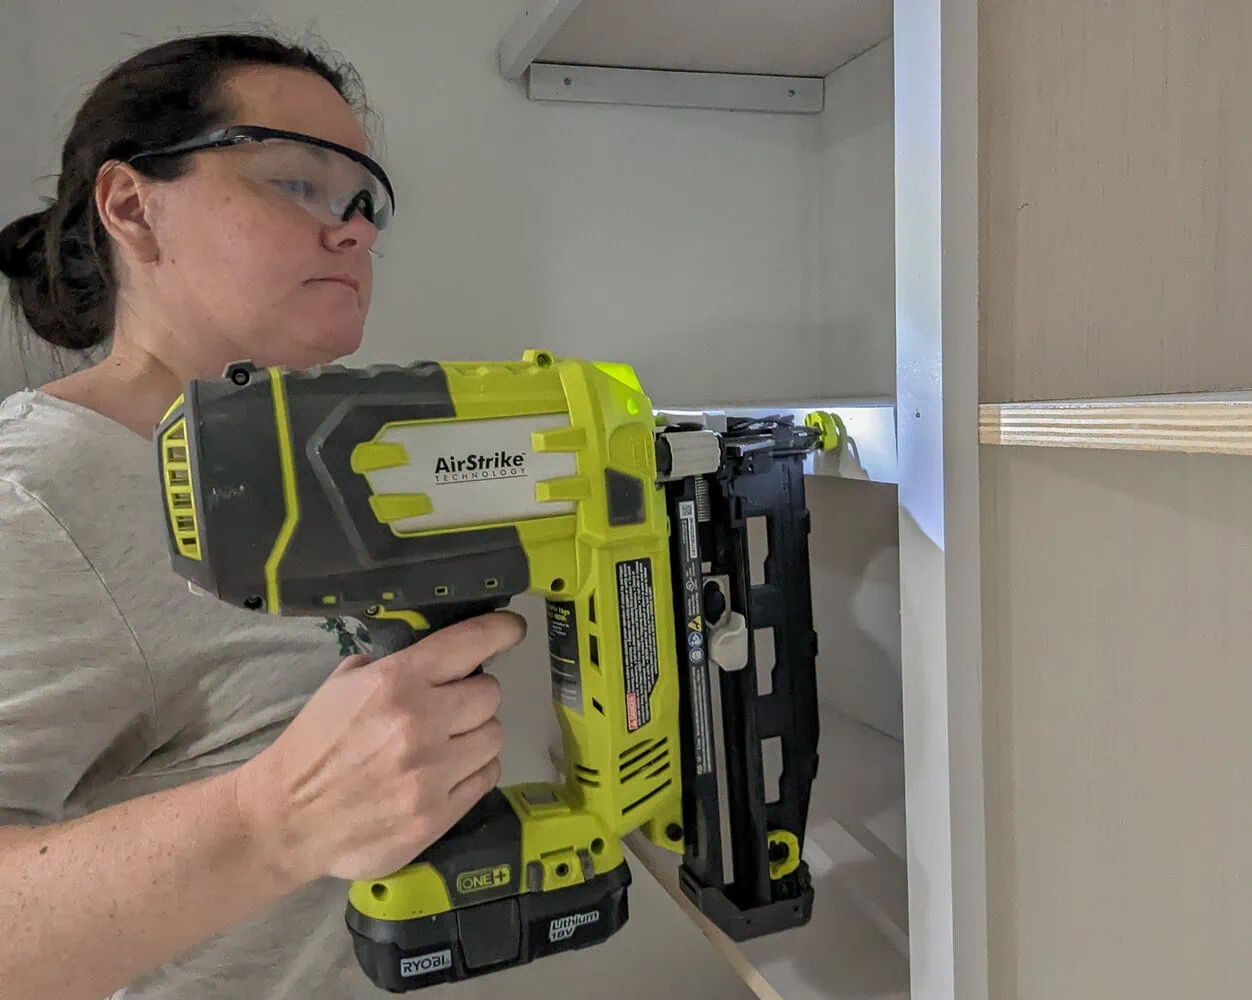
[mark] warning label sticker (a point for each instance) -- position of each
(697, 662)
(637, 612)
(567, 685)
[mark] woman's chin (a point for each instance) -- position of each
(334, 342)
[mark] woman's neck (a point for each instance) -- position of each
(130, 387)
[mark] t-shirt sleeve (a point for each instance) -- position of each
(73, 682)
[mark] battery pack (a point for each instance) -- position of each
(405, 955)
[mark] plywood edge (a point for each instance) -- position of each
(854, 933)
(859, 916)
(662, 865)
(1200, 423)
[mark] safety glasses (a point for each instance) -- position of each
(327, 180)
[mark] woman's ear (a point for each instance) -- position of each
(123, 200)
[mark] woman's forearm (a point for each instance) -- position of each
(379, 763)
(91, 904)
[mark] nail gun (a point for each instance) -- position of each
(414, 496)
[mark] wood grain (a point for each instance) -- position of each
(1116, 197)
(1213, 423)
(1117, 697)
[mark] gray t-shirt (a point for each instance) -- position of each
(116, 681)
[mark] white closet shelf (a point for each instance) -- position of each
(840, 954)
(1217, 423)
(870, 422)
(759, 55)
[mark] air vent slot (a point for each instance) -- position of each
(179, 496)
(658, 754)
(644, 798)
(588, 776)
(631, 750)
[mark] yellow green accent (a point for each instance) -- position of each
(291, 497)
(415, 620)
(791, 859)
(622, 372)
(392, 507)
(555, 829)
(173, 406)
(834, 433)
(565, 489)
(371, 456)
(559, 439)
(414, 891)
(555, 834)
(617, 779)
(574, 556)
(180, 497)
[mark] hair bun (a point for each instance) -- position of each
(21, 245)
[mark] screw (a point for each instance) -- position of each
(674, 832)
(240, 376)
(253, 603)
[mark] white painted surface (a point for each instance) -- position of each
(535, 26)
(856, 231)
(936, 135)
(858, 819)
(842, 953)
(855, 574)
(856, 557)
(674, 89)
(792, 38)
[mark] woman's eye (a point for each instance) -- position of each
(297, 188)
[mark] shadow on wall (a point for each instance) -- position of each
(854, 564)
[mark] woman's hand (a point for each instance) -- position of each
(383, 759)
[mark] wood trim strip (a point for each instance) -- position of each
(1199, 423)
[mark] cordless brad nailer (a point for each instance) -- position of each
(412, 497)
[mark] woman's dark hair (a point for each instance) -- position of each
(58, 261)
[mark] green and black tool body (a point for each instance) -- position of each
(414, 496)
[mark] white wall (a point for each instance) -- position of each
(856, 230)
(856, 572)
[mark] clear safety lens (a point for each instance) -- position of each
(327, 184)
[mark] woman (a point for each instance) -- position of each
(183, 785)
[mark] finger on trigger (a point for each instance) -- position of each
(458, 650)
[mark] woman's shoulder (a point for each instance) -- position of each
(64, 454)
